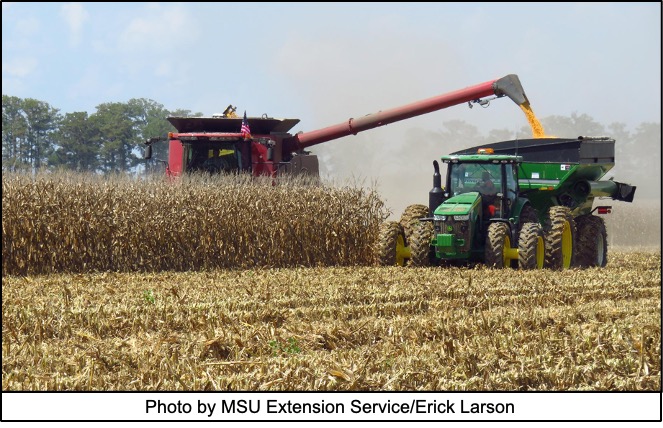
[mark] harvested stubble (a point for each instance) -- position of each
(341, 328)
(82, 223)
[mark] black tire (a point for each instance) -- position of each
(560, 234)
(420, 248)
(390, 243)
(528, 215)
(531, 247)
(497, 241)
(592, 242)
(410, 219)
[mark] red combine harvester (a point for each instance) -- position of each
(218, 143)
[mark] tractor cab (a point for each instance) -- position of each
(493, 178)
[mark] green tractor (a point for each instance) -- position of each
(522, 203)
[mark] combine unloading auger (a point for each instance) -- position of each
(217, 144)
(506, 86)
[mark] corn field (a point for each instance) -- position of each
(231, 285)
(73, 223)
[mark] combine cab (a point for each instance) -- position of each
(524, 203)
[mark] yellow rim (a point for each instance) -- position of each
(402, 252)
(508, 253)
(567, 245)
(540, 252)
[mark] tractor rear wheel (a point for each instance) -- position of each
(410, 218)
(527, 215)
(592, 242)
(531, 247)
(420, 240)
(498, 251)
(560, 238)
(391, 249)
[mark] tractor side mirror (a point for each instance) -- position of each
(148, 152)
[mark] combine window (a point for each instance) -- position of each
(215, 157)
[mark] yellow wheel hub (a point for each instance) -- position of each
(508, 253)
(540, 252)
(402, 252)
(567, 245)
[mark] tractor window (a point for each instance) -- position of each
(511, 182)
(485, 178)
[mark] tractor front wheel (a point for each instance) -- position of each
(420, 240)
(410, 218)
(391, 249)
(498, 251)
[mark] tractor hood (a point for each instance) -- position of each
(458, 205)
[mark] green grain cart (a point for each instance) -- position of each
(522, 203)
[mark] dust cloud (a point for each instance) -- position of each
(342, 78)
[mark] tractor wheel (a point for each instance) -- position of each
(560, 238)
(410, 218)
(420, 240)
(531, 246)
(391, 248)
(592, 242)
(528, 215)
(498, 246)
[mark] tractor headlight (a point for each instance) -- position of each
(440, 218)
(462, 217)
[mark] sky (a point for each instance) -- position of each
(326, 62)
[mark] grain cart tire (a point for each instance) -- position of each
(560, 233)
(391, 245)
(498, 244)
(531, 247)
(592, 241)
(410, 219)
(420, 240)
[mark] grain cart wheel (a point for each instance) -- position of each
(592, 241)
(410, 218)
(420, 240)
(531, 246)
(560, 238)
(498, 251)
(391, 249)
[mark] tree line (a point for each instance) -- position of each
(35, 135)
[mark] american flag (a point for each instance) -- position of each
(246, 132)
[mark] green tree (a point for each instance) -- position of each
(77, 143)
(151, 121)
(14, 132)
(42, 121)
(184, 113)
(119, 139)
